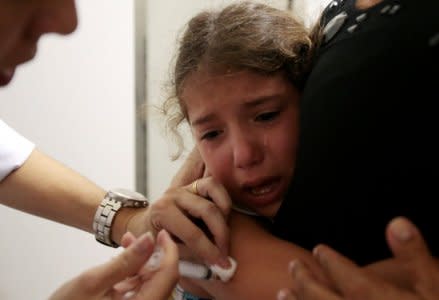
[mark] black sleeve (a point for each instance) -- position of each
(369, 129)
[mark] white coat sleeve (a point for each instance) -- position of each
(14, 150)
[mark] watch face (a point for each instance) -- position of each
(125, 193)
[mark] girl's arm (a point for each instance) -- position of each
(262, 264)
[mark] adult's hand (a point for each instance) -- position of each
(356, 283)
(190, 197)
(102, 281)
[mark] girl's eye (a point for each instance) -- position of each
(268, 116)
(210, 135)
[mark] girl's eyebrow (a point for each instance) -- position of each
(261, 100)
(204, 119)
(253, 102)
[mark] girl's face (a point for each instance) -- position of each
(245, 125)
(23, 22)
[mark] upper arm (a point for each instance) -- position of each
(262, 263)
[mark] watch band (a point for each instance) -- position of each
(103, 221)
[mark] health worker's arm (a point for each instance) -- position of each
(44, 187)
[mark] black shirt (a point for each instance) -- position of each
(369, 129)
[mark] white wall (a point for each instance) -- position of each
(76, 102)
(309, 10)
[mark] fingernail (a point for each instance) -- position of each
(129, 295)
(126, 285)
(316, 253)
(285, 294)
(161, 236)
(224, 262)
(401, 230)
(143, 242)
(319, 254)
(155, 260)
(292, 266)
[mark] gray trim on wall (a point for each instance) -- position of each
(140, 94)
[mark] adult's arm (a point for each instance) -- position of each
(44, 187)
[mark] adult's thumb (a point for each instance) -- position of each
(405, 240)
(127, 263)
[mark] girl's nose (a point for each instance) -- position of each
(247, 151)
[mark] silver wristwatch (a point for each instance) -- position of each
(107, 210)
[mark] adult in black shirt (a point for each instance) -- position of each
(367, 149)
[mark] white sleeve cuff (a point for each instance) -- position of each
(14, 150)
